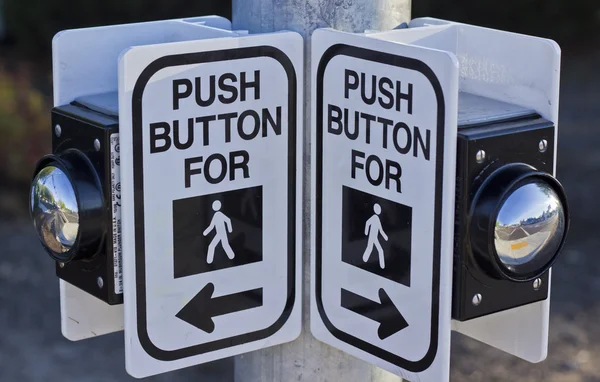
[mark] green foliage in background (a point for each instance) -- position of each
(24, 123)
(25, 100)
(570, 22)
(32, 23)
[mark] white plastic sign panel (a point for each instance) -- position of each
(523, 70)
(210, 144)
(73, 59)
(384, 156)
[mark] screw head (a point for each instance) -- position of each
(537, 284)
(480, 157)
(477, 299)
(57, 131)
(97, 144)
(543, 146)
(100, 282)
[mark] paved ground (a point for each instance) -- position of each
(32, 348)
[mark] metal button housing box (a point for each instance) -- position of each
(506, 134)
(82, 129)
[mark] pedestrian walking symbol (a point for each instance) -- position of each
(221, 224)
(373, 230)
(376, 235)
(217, 231)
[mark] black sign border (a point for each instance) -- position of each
(421, 67)
(138, 181)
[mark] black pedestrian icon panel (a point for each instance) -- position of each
(376, 235)
(217, 231)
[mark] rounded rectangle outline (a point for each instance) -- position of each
(138, 181)
(424, 69)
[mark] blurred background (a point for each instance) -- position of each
(31, 346)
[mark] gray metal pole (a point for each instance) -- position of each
(307, 359)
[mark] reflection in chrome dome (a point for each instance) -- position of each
(530, 227)
(54, 210)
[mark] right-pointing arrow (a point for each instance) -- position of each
(385, 312)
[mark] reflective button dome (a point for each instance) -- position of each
(54, 210)
(530, 228)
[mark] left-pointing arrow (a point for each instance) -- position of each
(201, 310)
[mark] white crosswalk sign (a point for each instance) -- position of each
(210, 142)
(384, 137)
